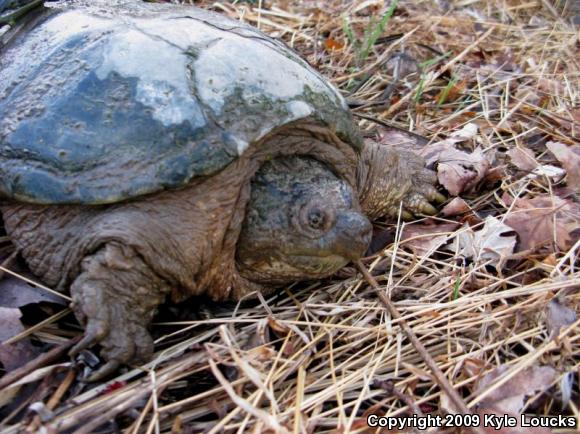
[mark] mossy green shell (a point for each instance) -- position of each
(99, 105)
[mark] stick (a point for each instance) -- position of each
(8, 262)
(437, 373)
(39, 362)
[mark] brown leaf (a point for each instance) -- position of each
(261, 354)
(558, 315)
(332, 44)
(488, 243)
(550, 86)
(539, 219)
(456, 207)
(494, 174)
(569, 157)
(399, 138)
(511, 394)
(472, 366)
(17, 354)
(523, 159)
(277, 327)
(432, 152)
(15, 292)
(508, 399)
(381, 238)
(421, 238)
(451, 94)
(459, 171)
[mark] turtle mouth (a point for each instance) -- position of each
(320, 264)
(292, 267)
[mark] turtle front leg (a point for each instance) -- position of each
(386, 177)
(115, 296)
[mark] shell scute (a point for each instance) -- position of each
(117, 105)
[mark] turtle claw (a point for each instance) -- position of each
(418, 204)
(116, 316)
(406, 215)
(423, 194)
(439, 198)
(127, 342)
(130, 342)
(85, 343)
(107, 369)
(428, 209)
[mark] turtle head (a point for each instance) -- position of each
(302, 222)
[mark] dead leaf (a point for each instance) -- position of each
(543, 220)
(566, 387)
(558, 315)
(569, 157)
(523, 159)
(451, 94)
(381, 238)
(489, 243)
(547, 171)
(432, 152)
(261, 354)
(10, 324)
(550, 260)
(15, 293)
(509, 397)
(494, 175)
(402, 64)
(277, 327)
(550, 86)
(472, 366)
(422, 238)
(399, 138)
(459, 171)
(17, 354)
(456, 207)
(332, 44)
(11, 392)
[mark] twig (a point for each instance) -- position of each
(55, 398)
(391, 389)
(39, 362)
(62, 388)
(3, 269)
(9, 261)
(437, 373)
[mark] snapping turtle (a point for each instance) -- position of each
(152, 150)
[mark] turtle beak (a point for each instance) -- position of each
(353, 235)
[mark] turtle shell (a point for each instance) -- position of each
(101, 105)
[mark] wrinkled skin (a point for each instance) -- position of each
(304, 219)
(301, 221)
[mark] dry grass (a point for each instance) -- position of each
(315, 358)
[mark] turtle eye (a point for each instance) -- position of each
(316, 219)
